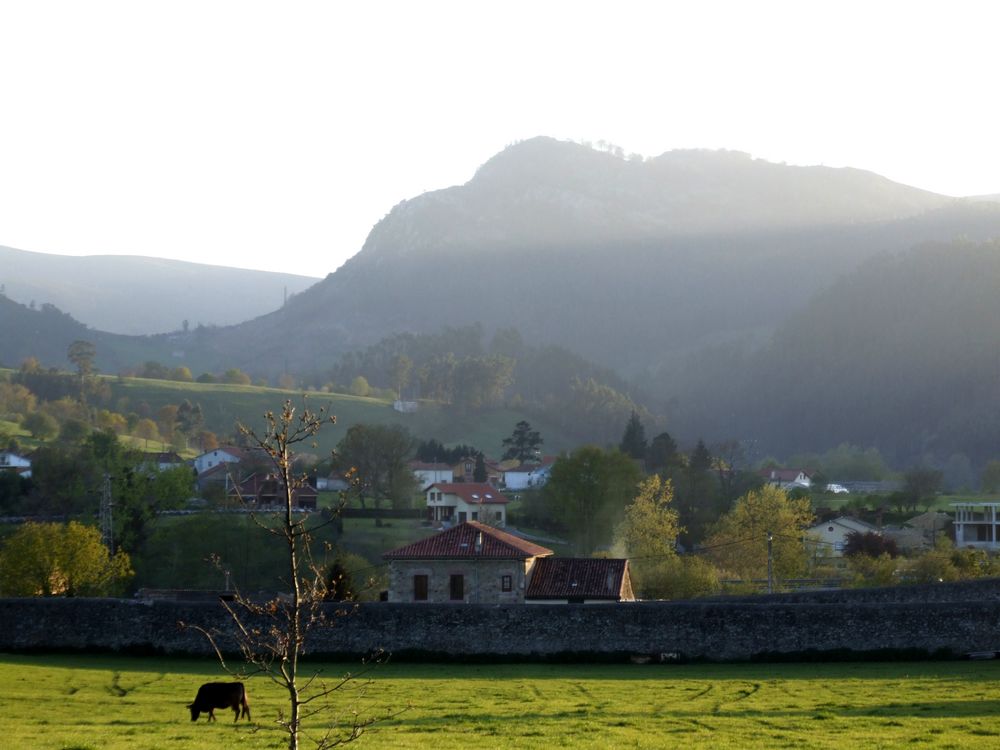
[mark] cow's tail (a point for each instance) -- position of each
(245, 704)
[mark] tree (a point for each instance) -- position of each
(235, 376)
(81, 354)
(698, 499)
(73, 431)
(633, 441)
(591, 488)
(376, 458)
(650, 527)
(523, 444)
(479, 474)
(921, 482)
(662, 453)
(869, 543)
(40, 425)
(360, 387)
(399, 373)
(272, 636)
(146, 429)
(53, 559)
(190, 418)
(739, 541)
(991, 477)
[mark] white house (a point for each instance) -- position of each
(831, 536)
(449, 503)
(977, 525)
(20, 464)
(224, 454)
(430, 473)
(527, 476)
(788, 479)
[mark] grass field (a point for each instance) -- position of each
(114, 703)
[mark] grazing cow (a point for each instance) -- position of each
(213, 695)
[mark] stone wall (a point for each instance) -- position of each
(954, 618)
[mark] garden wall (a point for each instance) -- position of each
(953, 618)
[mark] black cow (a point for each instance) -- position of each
(213, 695)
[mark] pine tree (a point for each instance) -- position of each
(634, 440)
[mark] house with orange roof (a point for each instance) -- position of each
(468, 563)
(458, 502)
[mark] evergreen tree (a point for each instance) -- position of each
(634, 440)
(479, 474)
(523, 444)
(662, 453)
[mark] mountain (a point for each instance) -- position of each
(137, 295)
(900, 355)
(632, 264)
(752, 300)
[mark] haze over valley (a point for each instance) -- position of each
(728, 297)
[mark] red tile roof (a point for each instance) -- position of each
(578, 577)
(472, 492)
(460, 542)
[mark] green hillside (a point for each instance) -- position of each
(224, 405)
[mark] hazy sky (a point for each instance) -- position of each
(274, 135)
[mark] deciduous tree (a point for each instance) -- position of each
(376, 457)
(273, 635)
(53, 559)
(591, 487)
(739, 542)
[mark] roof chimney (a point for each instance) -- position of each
(479, 542)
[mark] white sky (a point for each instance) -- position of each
(274, 135)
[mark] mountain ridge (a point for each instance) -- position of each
(141, 295)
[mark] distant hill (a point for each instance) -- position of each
(632, 264)
(902, 355)
(137, 295)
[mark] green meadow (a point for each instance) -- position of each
(114, 703)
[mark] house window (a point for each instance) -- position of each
(461, 516)
(475, 515)
(457, 587)
(420, 588)
(506, 583)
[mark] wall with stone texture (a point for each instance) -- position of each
(956, 618)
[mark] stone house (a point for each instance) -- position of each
(468, 563)
(465, 470)
(458, 502)
(580, 580)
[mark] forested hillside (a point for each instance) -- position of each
(902, 355)
(629, 263)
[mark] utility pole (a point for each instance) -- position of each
(770, 563)
(107, 521)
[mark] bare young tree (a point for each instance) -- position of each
(271, 635)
